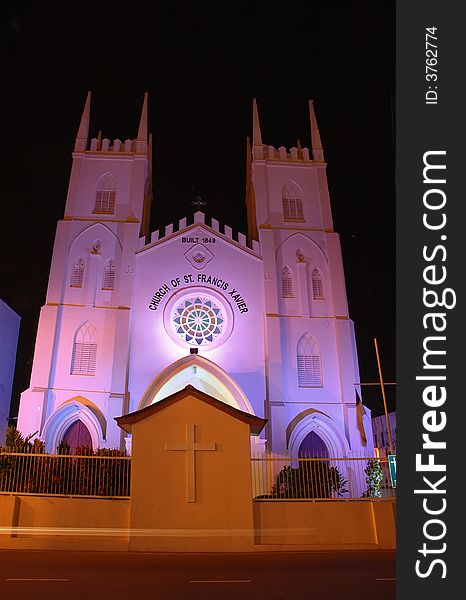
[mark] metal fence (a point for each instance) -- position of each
(284, 478)
(105, 475)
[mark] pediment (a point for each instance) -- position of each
(200, 241)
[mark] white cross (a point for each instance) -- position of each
(190, 447)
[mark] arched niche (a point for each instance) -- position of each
(202, 374)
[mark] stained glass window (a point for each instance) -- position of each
(198, 320)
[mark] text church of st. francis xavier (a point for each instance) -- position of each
(259, 322)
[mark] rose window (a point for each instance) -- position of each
(198, 320)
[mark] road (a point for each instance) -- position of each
(65, 575)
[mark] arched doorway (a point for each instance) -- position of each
(73, 410)
(313, 446)
(202, 374)
(325, 431)
(77, 435)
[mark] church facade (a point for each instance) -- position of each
(258, 321)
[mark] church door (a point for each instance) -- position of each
(77, 435)
(313, 446)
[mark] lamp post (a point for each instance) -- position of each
(384, 399)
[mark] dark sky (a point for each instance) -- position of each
(202, 68)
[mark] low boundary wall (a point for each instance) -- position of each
(326, 524)
(50, 522)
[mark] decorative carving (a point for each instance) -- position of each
(198, 256)
(96, 247)
(300, 255)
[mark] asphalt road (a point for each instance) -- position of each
(64, 575)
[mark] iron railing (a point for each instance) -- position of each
(103, 476)
(284, 478)
(273, 477)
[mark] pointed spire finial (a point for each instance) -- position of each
(83, 131)
(317, 150)
(142, 131)
(250, 196)
(258, 148)
(141, 140)
(256, 128)
(148, 193)
(248, 147)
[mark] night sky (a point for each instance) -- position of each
(202, 68)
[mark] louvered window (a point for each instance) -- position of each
(84, 351)
(105, 202)
(105, 195)
(309, 362)
(309, 374)
(317, 285)
(109, 275)
(292, 202)
(77, 274)
(287, 283)
(293, 209)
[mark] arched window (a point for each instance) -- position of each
(105, 195)
(109, 275)
(84, 350)
(309, 363)
(317, 285)
(77, 274)
(287, 283)
(292, 200)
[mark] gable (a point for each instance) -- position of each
(199, 233)
(127, 422)
(200, 259)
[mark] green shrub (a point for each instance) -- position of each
(311, 479)
(374, 476)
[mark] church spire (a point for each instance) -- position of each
(145, 221)
(141, 140)
(256, 132)
(256, 128)
(142, 131)
(317, 150)
(250, 196)
(83, 131)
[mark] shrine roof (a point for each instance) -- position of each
(126, 422)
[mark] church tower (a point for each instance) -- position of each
(79, 374)
(311, 359)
